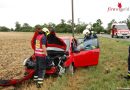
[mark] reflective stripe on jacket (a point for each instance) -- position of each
(38, 46)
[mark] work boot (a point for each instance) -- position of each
(35, 78)
(127, 77)
(40, 81)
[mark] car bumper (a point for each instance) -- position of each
(120, 35)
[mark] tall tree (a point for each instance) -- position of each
(80, 28)
(99, 22)
(63, 27)
(97, 27)
(26, 28)
(17, 26)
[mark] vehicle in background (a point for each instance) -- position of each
(120, 30)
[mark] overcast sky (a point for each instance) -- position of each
(44, 11)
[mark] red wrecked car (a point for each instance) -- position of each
(64, 55)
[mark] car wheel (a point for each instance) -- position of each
(123, 37)
(70, 70)
(117, 36)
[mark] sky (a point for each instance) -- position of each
(44, 11)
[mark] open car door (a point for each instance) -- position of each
(89, 52)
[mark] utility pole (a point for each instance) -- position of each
(72, 4)
(78, 20)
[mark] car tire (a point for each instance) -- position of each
(117, 36)
(70, 70)
(123, 37)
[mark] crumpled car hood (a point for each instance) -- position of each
(54, 41)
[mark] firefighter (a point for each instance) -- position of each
(50, 37)
(86, 33)
(93, 34)
(128, 75)
(40, 54)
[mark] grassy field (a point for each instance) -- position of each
(107, 75)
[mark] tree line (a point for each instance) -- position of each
(62, 27)
(65, 26)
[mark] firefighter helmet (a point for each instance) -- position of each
(86, 32)
(46, 31)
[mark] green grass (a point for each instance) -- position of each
(107, 75)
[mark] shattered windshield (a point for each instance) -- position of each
(120, 27)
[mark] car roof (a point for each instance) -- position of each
(119, 24)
